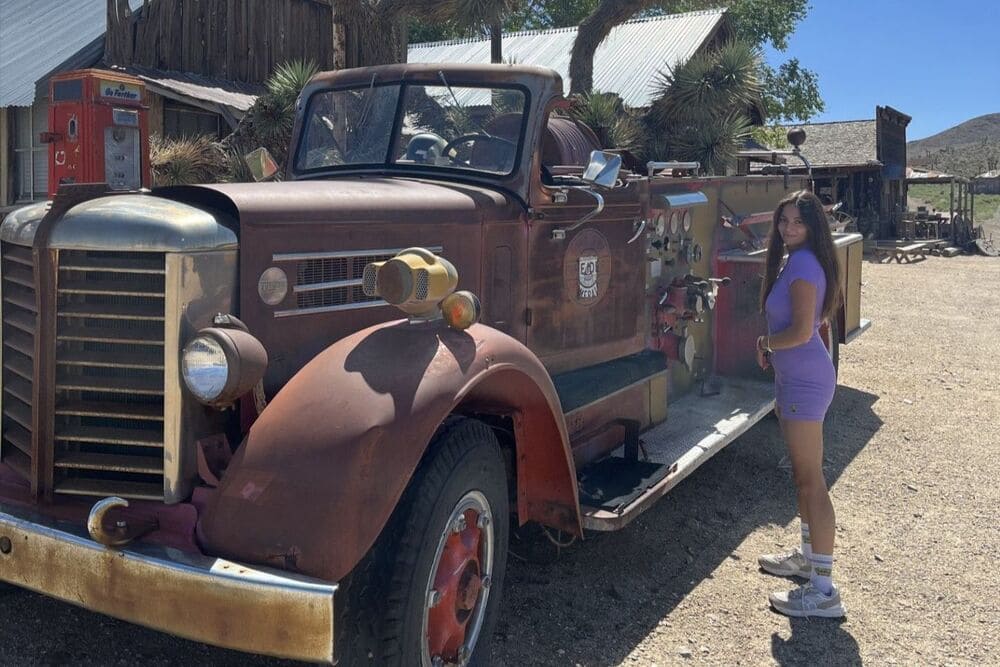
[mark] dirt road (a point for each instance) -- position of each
(913, 442)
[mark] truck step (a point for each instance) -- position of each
(697, 427)
(614, 482)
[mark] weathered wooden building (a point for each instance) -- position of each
(861, 163)
(202, 61)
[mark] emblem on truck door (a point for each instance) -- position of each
(587, 272)
(588, 277)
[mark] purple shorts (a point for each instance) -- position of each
(804, 380)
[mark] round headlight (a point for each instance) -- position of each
(205, 368)
(221, 364)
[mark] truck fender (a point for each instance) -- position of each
(324, 465)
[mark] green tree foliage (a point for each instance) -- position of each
(616, 126)
(756, 21)
(701, 111)
(791, 92)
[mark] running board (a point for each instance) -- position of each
(697, 427)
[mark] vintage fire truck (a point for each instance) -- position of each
(300, 418)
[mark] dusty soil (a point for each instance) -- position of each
(913, 442)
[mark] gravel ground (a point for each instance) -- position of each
(913, 442)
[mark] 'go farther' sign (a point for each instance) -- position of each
(121, 92)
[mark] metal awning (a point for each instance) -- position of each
(231, 99)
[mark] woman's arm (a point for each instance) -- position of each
(803, 295)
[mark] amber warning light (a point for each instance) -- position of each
(422, 285)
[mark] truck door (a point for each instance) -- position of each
(585, 296)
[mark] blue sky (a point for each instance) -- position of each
(938, 62)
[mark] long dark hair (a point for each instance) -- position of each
(819, 240)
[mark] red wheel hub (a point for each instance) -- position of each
(458, 582)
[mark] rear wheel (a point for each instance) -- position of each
(439, 567)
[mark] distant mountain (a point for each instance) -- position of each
(968, 149)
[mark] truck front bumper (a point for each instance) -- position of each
(205, 599)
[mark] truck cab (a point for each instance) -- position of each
(255, 398)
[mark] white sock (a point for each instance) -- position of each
(806, 541)
(822, 573)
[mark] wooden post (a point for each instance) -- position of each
(951, 209)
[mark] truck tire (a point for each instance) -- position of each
(431, 586)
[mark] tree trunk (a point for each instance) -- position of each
(496, 42)
(591, 33)
(368, 36)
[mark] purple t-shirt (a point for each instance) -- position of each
(801, 265)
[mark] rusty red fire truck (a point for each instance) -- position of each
(299, 418)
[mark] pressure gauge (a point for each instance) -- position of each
(686, 223)
(660, 224)
(675, 222)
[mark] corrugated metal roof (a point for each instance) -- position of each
(36, 36)
(233, 94)
(627, 61)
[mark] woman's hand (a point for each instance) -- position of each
(763, 356)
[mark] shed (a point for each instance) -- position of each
(861, 163)
(986, 183)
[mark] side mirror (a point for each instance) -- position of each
(261, 164)
(602, 170)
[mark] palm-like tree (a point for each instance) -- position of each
(703, 107)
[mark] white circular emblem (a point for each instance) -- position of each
(272, 286)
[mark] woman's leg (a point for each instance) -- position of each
(805, 446)
(821, 598)
(800, 497)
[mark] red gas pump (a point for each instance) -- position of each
(98, 131)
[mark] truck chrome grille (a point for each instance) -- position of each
(109, 412)
(335, 281)
(20, 320)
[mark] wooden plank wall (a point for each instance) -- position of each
(239, 40)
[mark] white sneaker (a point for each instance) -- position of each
(808, 600)
(789, 564)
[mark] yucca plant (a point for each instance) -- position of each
(713, 144)
(288, 80)
(701, 111)
(606, 114)
(269, 121)
(185, 161)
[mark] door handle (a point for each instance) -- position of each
(638, 232)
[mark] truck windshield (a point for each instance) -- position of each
(443, 127)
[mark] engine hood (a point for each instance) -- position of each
(132, 222)
(351, 200)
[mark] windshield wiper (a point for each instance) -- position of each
(366, 109)
(459, 106)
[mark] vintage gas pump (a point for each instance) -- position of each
(98, 130)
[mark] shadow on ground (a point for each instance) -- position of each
(602, 597)
(597, 601)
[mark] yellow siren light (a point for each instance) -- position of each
(417, 281)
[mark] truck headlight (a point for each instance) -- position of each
(220, 365)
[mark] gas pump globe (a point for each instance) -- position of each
(98, 131)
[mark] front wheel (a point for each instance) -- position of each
(447, 571)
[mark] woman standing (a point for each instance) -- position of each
(796, 299)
